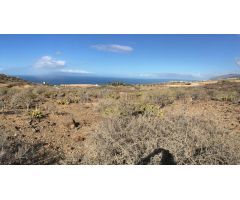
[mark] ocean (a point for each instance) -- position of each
(91, 80)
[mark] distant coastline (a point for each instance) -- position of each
(93, 80)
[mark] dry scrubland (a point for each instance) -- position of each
(120, 124)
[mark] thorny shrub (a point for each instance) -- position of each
(190, 140)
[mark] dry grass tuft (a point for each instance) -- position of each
(16, 152)
(187, 140)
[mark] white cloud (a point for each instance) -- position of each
(113, 48)
(238, 62)
(51, 64)
(169, 76)
(75, 71)
(47, 62)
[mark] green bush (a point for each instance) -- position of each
(118, 83)
(36, 113)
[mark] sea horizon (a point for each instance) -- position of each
(100, 80)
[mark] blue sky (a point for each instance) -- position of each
(147, 56)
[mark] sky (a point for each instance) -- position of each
(141, 56)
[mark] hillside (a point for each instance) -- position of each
(12, 81)
(226, 76)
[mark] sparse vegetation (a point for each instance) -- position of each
(189, 140)
(24, 99)
(120, 124)
(118, 83)
(13, 151)
(64, 102)
(36, 113)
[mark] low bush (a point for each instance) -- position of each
(14, 151)
(36, 113)
(3, 91)
(24, 99)
(162, 97)
(63, 101)
(2, 104)
(84, 97)
(118, 83)
(113, 96)
(98, 93)
(50, 93)
(111, 108)
(229, 96)
(139, 140)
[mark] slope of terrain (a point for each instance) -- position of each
(10, 81)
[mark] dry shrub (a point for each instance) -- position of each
(23, 99)
(64, 101)
(196, 93)
(3, 91)
(188, 140)
(167, 96)
(131, 96)
(111, 108)
(230, 96)
(84, 97)
(73, 95)
(224, 91)
(17, 152)
(100, 92)
(162, 97)
(39, 90)
(48, 92)
(2, 104)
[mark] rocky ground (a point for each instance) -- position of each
(62, 118)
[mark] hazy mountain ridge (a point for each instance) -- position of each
(226, 76)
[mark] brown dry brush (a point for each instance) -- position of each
(170, 140)
(13, 151)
